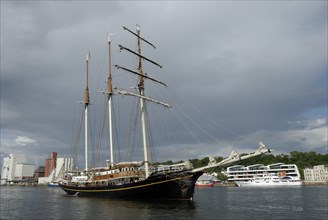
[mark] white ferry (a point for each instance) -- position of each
(271, 181)
(270, 173)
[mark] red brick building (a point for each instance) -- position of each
(50, 163)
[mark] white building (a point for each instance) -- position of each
(9, 167)
(242, 173)
(318, 174)
(24, 171)
(62, 165)
(5, 170)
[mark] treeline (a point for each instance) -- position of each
(301, 159)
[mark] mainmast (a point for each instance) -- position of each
(141, 87)
(86, 104)
(142, 106)
(110, 93)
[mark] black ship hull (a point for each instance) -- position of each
(176, 185)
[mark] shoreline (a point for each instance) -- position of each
(307, 183)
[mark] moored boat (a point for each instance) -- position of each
(204, 184)
(206, 180)
(52, 184)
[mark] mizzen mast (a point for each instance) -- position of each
(86, 102)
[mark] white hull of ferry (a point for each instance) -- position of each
(270, 181)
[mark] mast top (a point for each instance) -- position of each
(109, 81)
(86, 93)
(88, 56)
(138, 35)
(108, 37)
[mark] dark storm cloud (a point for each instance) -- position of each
(242, 71)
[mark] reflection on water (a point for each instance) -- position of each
(126, 209)
(53, 203)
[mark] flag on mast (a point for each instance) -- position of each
(109, 35)
(88, 56)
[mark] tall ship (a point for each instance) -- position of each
(137, 179)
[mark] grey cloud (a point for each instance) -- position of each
(248, 67)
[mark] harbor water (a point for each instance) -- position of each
(303, 202)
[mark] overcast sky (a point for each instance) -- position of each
(238, 73)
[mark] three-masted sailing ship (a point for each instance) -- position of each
(136, 179)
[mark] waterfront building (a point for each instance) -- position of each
(39, 172)
(242, 173)
(9, 167)
(55, 168)
(317, 174)
(24, 171)
(50, 163)
(63, 165)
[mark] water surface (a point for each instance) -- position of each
(305, 202)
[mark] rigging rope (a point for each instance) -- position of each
(77, 138)
(132, 134)
(103, 119)
(182, 123)
(116, 135)
(91, 137)
(212, 121)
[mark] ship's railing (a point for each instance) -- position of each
(175, 167)
(123, 174)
